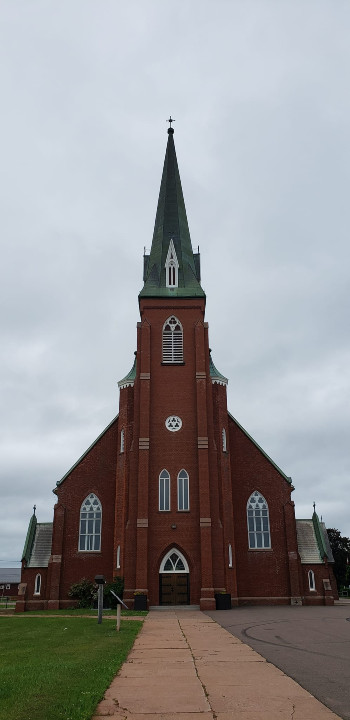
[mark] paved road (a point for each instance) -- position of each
(310, 644)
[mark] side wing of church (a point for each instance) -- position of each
(174, 495)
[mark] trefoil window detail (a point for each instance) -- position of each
(164, 491)
(172, 341)
(183, 500)
(312, 586)
(37, 584)
(171, 267)
(173, 423)
(258, 522)
(90, 524)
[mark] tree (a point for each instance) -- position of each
(341, 552)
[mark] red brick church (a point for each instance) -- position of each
(174, 495)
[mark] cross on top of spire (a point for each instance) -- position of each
(170, 129)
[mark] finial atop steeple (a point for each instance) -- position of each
(314, 504)
(170, 130)
(34, 508)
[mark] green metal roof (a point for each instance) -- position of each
(129, 379)
(28, 545)
(289, 479)
(214, 373)
(319, 535)
(171, 224)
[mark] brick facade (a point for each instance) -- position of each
(122, 470)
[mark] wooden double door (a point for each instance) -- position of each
(174, 589)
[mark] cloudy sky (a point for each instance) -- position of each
(260, 94)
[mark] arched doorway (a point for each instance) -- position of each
(174, 585)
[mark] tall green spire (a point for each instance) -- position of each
(171, 269)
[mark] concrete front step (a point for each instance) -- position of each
(173, 607)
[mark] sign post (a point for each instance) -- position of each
(120, 603)
(100, 580)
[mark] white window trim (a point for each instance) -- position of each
(224, 440)
(171, 263)
(85, 550)
(118, 556)
(122, 440)
(172, 343)
(167, 556)
(255, 531)
(311, 578)
(162, 479)
(230, 564)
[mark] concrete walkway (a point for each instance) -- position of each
(183, 663)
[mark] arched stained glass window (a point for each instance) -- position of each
(90, 524)
(164, 490)
(183, 499)
(172, 341)
(258, 522)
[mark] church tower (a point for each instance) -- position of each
(169, 523)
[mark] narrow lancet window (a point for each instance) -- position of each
(37, 585)
(224, 442)
(230, 555)
(311, 580)
(258, 522)
(171, 267)
(183, 499)
(164, 490)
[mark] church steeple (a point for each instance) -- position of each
(171, 236)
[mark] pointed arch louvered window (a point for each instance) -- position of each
(90, 524)
(258, 522)
(172, 341)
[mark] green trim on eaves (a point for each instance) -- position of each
(289, 479)
(319, 536)
(59, 482)
(28, 545)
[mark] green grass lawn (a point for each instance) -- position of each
(58, 668)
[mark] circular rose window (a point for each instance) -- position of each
(173, 423)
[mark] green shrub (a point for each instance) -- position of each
(118, 587)
(85, 592)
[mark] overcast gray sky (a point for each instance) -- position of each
(260, 94)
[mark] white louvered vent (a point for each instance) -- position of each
(172, 341)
